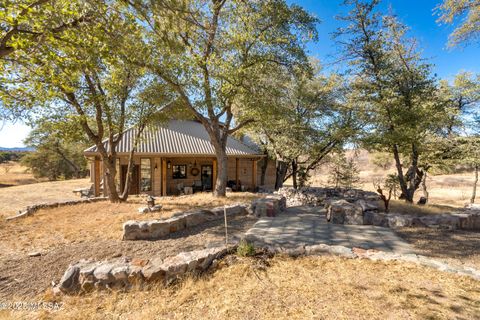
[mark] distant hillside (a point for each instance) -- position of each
(17, 149)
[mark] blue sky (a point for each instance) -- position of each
(417, 14)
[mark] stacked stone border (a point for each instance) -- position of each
(375, 255)
(158, 229)
(85, 276)
(30, 210)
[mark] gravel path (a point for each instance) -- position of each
(24, 276)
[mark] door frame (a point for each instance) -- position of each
(211, 175)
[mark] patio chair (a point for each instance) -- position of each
(197, 186)
(180, 187)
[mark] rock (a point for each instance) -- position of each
(176, 224)
(154, 271)
(143, 210)
(102, 273)
(344, 212)
(34, 254)
(70, 282)
(422, 201)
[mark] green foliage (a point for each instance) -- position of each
(344, 172)
(58, 151)
(468, 11)
(382, 160)
(245, 249)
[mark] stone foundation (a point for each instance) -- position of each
(269, 206)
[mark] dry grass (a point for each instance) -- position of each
(13, 174)
(48, 228)
(306, 288)
(400, 206)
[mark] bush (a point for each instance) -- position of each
(245, 249)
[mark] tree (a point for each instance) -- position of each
(343, 172)
(393, 87)
(24, 26)
(84, 75)
(307, 119)
(212, 54)
(58, 146)
(469, 12)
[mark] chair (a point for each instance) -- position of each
(197, 186)
(180, 187)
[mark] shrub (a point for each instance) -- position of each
(245, 249)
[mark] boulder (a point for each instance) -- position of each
(70, 280)
(344, 212)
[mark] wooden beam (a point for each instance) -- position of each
(96, 177)
(236, 173)
(214, 174)
(254, 174)
(163, 174)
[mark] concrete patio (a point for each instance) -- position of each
(307, 225)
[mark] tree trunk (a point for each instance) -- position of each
(401, 178)
(294, 173)
(109, 184)
(221, 182)
(474, 190)
(281, 171)
(424, 186)
(264, 169)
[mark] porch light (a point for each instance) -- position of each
(156, 166)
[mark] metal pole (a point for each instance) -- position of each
(226, 227)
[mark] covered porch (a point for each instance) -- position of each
(175, 175)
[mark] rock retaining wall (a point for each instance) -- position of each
(358, 253)
(453, 221)
(157, 229)
(313, 196)
(269, 206)
(84, 275)
(32, 209)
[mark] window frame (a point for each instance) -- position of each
(179, 177)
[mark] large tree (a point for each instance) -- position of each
(393, 86)
(307, 118)
(212, 53)
(84, 74)
(468, 11)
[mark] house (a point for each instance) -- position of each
(178, 157)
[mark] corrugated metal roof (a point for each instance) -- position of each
(181, 137)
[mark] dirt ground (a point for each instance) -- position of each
(284, 288)
(24, 276)
(93, 231)
(13, 199)
(456, 247)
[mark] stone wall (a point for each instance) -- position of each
(269, 206)
(32, 209)
(157, 229)
(317, 197)
(85, 275)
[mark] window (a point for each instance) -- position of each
(179, 171)
(145, 175)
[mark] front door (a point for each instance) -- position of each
(207, 177)
(134, 185)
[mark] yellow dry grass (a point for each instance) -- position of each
(306, 288)
(13, 173)
(95, 221)
(402, 207)
(13, 199)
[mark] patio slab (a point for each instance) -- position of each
(307, 226)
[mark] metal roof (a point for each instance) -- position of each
(182, 137)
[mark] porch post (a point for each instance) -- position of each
(236, 173)
(96, 177)
(163, 174)
(214, 174)
(254, 174)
